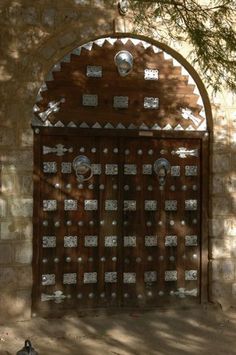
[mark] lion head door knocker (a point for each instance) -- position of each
(161, 168)
(83, 168)
(124, 62)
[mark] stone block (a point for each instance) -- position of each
(221, 206)
(9, 230)
(221, 293)
(217, 184)
(222, 270)
(219, 228)
(26, 184)
(29, 16)
(48, 17)
(8, 277)
(234, 290)
(17, 160)
(8, 183)
(67, 39)
(27, 230)
(233, 246)
(15, 305)
(48, 51)
(230, 183)
(22, 207)
(3, 208)
(221, 163)
(6, 253)
(220, 248)
(7, 137)
(27, 138)
(23, 253)
(24, 276)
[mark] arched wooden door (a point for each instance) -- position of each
(120, 184)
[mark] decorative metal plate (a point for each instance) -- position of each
(191, 170)
(94, 71)
(120, 102)
(175, 170)
(48, 279)
(171, 241)
(151, 74)
(111, 205)
(49, 205)
(151, 103)
(130, 169)
(91, 241)
(147, 169)
(70, 278)
(49, 167)
(171, 275)
(190, 205)
(129, 241)
(111, 277)
(90, 205)
(129, 277)
(90, 100)
(111, 169)
(150, 205)
(96, 169)
(90, 277)
(70, 241)
(66, 168)
(150, 276)
(111, 241)
(129, 205)
(191, 240)
(70, 205)
(191, 275)
(49, 241)
(150, 240)
(171, 205)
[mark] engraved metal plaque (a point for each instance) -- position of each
(129, 277)
(171, 275)
(190, 205)
(48, 279)
(191, 275)
(147, 169)
(175, 170)
(90, 205)
(94, 71)
(191, 240)
(171, 205)
(70, 278)
(49, 205)
(130, 169)
(49, 167)
(150, 205)
(111, 205)
(120, 102)
(70, 241)
(151, 103)
(70, 205)
(66, 168)
(90, 100)
(129, 205)
(171, 241)
(150, 240)
(91, 241)
(150, 276)
(111, 169)
(49, 241)
(90, 277)
(190, 170)
(151, 74)
(96, 169)
(129, 241)
(111, 277)
(111, 241)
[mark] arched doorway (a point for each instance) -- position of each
(121, 164)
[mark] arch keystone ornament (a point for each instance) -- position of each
(122, 104)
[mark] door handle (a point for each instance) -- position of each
(83, 168)
(161, 168)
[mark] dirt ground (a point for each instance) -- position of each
(202, 330)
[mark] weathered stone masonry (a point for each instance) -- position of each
(34, 36)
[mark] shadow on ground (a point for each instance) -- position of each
(203, 330)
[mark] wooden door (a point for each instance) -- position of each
(120, 239)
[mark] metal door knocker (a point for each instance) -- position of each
(161, 168)
(83, 168)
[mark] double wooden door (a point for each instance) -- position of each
(121, 238)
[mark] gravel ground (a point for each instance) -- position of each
(202, 330)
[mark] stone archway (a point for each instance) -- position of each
(87, 108)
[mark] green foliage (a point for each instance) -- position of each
(209, 29)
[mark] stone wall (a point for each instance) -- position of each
(34, 36)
